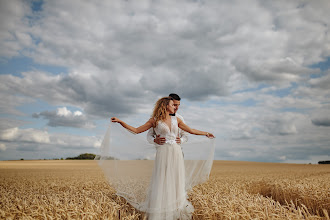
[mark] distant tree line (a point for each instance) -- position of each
(324, 162)
(85, 156)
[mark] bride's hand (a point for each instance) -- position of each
(114, 119)
(209, 135)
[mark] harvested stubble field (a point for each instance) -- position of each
(236, 190)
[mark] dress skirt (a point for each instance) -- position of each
(167, 197)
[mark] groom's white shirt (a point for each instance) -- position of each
(183, 135)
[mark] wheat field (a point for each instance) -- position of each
(62, 189)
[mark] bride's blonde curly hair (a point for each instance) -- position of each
(160, 108)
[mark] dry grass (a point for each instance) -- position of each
(236, 190)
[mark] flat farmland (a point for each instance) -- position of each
(63, 189)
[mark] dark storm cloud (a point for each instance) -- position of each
(321, 122)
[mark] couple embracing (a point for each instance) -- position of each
(172, 176)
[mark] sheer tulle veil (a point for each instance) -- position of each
(127, 160)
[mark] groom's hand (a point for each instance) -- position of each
(178, 140)
(159, 140)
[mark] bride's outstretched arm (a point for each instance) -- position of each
(185, 127)
(138, 130)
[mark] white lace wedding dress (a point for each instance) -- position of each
(167, 197)
(155, 178)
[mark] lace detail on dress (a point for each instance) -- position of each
(163, 130)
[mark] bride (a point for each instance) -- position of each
(166, 196)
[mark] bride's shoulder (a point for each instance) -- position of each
(152, 121)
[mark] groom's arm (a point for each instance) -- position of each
(183, 134)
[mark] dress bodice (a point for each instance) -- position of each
(163, 130)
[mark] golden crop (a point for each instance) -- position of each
(236, 190)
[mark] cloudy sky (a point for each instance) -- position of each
(255, 73)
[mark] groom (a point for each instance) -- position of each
(153, 138)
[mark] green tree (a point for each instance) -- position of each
(85, 156)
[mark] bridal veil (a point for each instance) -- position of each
(127, 161)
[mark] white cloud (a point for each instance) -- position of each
(2, 147)
(259, 132)
(9, 134)
(77, 113)
(24, 135)
(6, 123)
(65, 118)
(10, 98)
(157, 48)
(13, 28)
(63, 112)
(67, 141)
(172, 49)
(37, 144)
(322, 83)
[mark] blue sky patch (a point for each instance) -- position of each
(15, 66)
(323, 65)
